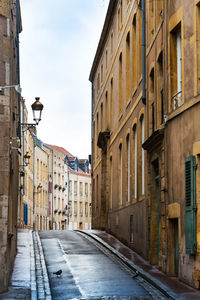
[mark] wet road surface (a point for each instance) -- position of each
(86, 271)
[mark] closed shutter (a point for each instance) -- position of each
(190, 205)
(25, 214)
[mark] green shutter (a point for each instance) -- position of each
(190, 205)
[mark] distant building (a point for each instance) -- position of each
(79, 197)
(71, 190)
(10, 27)
(58, 180)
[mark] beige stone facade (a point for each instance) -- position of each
(119, 202)
(146, 157)
(9, 133)
(80, 211)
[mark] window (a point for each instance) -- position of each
(106, 59)
(102, 73)
(128, 92)
(151, 102)
(86, 209)
(97, 193)
(106, 110)
(70, 187)
(98, 82)
(159, 12)
(111, 43)
(139, 31)
(135, 161)
(120, 85)
(176, 67)
(142, 139)
(111, 104)
(86, 189)
(151, 19)
(75, 187)
(101, 116)
(111, 183)
(190, 205)
(94, 141)
(131, 229)
(120, 16)
(160, 95)
(80, 209)
(41, 171)
(120, 175)
(134, 52)
(81, 188)
(128, 167)
(75, 208)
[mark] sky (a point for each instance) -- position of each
(57, 47)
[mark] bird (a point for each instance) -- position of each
(58, 273)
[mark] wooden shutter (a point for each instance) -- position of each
(190, 205)
(25, 214)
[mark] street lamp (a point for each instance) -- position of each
(37, 108)
(26, 159)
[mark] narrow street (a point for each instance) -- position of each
(87, 272)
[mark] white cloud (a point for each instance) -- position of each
(58, 44)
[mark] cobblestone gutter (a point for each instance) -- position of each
(41, 290)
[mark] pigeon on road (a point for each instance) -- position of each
(58, 273)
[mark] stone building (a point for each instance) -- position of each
(119, 202)
(173, 137)
(10, 27)
(70, 192)
(146, 140)
(58, 179)
(79, 196)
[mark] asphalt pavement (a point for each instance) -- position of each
(23, 283)
(87, 273)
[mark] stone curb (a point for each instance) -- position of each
(32, 267)
(153, 281)
(42, 280)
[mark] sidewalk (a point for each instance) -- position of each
(22, 279)
(174, 288)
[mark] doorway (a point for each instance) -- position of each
(173, 244)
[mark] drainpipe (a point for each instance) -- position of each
(34, 183)
(18, 73)
(48, 188)
(143, 54)
(92, 133)
(52, 192)
(23, 148)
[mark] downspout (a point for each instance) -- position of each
(18, 73)
(92, 144)
(23, 118)
(143, 54)
(34, 183)
(48, 187)
(92, 132)
(52, 192)
(68, 193)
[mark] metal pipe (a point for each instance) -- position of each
(18, 73)
(143, 54)
(92, 132)
(52, 192)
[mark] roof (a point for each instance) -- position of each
(60, 149)
(80, 172)
(103, 37)
(82, 161)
